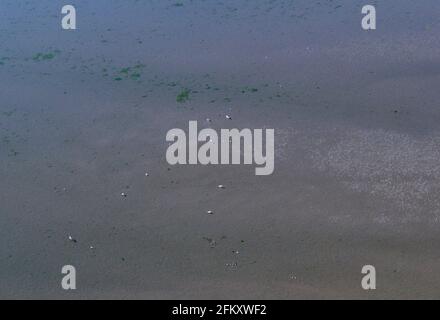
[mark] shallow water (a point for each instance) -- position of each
(84, 115)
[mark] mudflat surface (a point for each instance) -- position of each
(84, 114)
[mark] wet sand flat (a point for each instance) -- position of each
(84, 115)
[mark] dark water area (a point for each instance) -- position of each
(84, 114)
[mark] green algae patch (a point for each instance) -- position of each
(133, 73)
(183, 96)
(248, 89)
(125, 71)
(135, 76)
(45, 56)
(8, 113)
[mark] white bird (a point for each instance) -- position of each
(228, 117)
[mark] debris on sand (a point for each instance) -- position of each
(232, 265)
(124, 195)
(212, 242)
